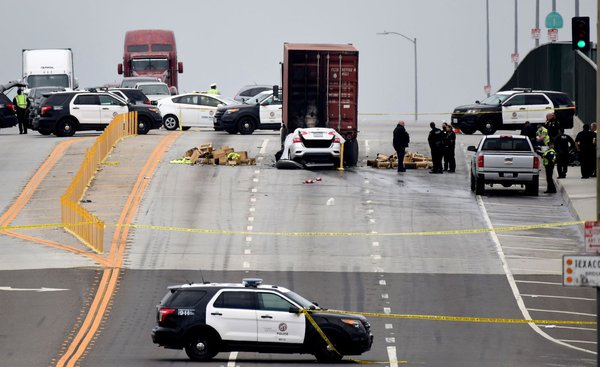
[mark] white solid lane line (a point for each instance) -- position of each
(391, 350)
(561, 297)
(563, 312)
(537, 282)
(263, 148)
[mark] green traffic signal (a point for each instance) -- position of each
(581, 44)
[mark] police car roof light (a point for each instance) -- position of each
(252, 282)
(523, 89)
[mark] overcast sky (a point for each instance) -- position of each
(234, 42)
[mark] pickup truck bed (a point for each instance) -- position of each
(505, 160)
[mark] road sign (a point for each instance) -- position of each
(554, 20)
(535, 33)
(592, 237)
(552, 35)
(581, 270)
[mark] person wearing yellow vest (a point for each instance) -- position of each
(21, 102)
(541, 136)
(213, 89)
(549, 158)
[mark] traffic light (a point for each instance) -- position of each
(580, 27)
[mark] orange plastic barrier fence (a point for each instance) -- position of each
(88, 228)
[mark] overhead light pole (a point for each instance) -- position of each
(414, 42)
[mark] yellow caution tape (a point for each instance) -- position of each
(111, 163)
(310, 234)
(184, 160)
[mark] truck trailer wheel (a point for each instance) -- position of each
(351, 152)
(480, 185)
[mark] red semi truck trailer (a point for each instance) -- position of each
(151, 52)
(322, 80)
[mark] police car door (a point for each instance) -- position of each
(514, 111)
(276, 324)
(232, 313)
(110, 107)
(271, 111)
(188, 109)
(538, 105)
(86, 108)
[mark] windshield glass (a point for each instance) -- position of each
(149, 64)
(495, 99)
(49, 80)
(154, 89)
(301, 300)
(227, 100)
(258, 98)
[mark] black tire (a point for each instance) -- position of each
(468, 130)
(246, 125)
(351, 153)
(201, 347)
(321, 351)
(533, 188)
(488, 128)
(231, 131)
(45, 132)
(66, 127)
(143, 126)
(480, 185)
(170, 122)
(472, 183)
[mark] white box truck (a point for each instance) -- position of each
(49, 68)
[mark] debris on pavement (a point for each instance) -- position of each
(412, 160)
(206, 155)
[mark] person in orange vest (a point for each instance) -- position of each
(22, 103)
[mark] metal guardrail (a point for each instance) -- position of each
(82, 224)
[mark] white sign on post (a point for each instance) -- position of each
(592, 237)
(581, 270)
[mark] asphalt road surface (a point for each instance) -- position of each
(268, 223)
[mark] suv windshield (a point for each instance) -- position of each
(495, 99)
(258, 98)
(301, 300)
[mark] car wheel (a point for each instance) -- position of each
(143, 126)
(533, 188)
(467, 130)
(351, 153)
(480, 185)
(201, 347)
(246, 125)
(45, 132)
(231, 131)
(488, 128)
(66, 127)
(322, 351)
(170, 122)
(472, 183)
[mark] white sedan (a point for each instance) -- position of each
(315, 145)
(191, 109)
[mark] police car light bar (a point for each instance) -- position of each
(252, 282)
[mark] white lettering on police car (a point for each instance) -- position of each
(185, 312)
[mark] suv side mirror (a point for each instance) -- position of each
(472, 148)
(294, 309)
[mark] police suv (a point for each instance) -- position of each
(261, 112)
(209, 318)
(508, 110)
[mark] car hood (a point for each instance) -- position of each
(478, 106)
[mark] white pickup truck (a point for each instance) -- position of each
(506, 160)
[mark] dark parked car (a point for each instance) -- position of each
(36, 97)
(8, 117)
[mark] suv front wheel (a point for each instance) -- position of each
(488, 127)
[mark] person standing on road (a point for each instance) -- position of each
(541, 136)
(552, 125)
(586, 146)
(563, 144)
(449, 145)
(400, 142)
(435, 140)
(529, 131)
(22, 104)
(213, 89)
(549, 158)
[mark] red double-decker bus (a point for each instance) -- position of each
(151, 52)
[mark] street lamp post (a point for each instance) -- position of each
(414, 42)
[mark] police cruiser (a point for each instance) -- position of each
(205, 319)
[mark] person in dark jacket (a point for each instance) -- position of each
(436, 144)
(22, 104)
(563, 144)
(552, 125)
(449, 145)
(400, 142)
(529, 131)
(586, 146)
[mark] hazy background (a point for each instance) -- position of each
(234, 43)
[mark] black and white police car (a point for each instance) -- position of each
(64, 113)
(509, 109)
(205, 319)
